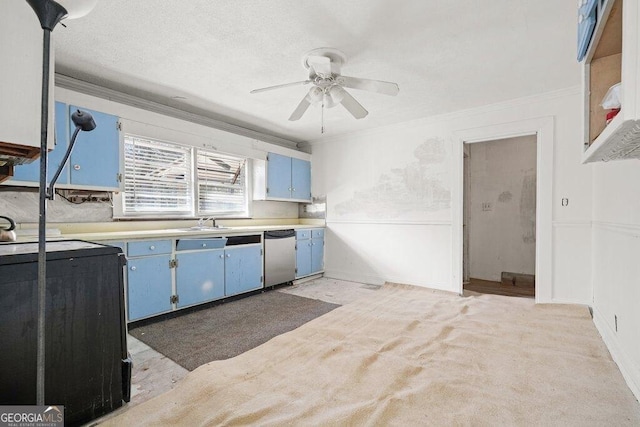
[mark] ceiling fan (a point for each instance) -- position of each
(324, 65)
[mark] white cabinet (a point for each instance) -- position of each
(613, 57)
(21, 83)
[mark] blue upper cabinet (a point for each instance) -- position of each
(587, 13)
(94, 162)
(31, 172)
(278, 176)
(95, 158)
(300, 179)
(288, 178)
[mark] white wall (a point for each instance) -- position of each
(615, 263)
(389, 197)
(502, 201)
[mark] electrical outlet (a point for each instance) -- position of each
(565, 201)
(487, 206)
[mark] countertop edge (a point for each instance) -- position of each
(167, 233)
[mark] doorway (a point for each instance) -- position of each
(499, 216)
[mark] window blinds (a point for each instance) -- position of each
(157, 177)
(165, 178)
(221, 183)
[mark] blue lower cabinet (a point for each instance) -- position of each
(303, 258)
(242, 269)
(309, 252)
(148, 286)
(317, 255)
(200, 277)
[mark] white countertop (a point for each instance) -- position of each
(169, 233)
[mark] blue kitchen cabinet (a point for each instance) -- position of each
(148, 286)
(587, 15)
(278, 176)
(95, 159)
(303, 258)
(300, 179)
(242, 269)
(317, 255)
(30, 172)
(149, 278)
(288, 178)
(309, 252)
(200, 276)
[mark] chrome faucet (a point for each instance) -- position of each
(201, 221)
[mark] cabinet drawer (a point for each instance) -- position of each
(317, 233)
(149, 247)
(303, 234)
(202, 244)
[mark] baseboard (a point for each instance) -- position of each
(378, 280)
(630, 372)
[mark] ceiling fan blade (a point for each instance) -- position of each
(320, 64)
(300, 109)
(264, 89)
(386, 88)
(353, 106)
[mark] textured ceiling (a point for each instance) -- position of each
(206, 55)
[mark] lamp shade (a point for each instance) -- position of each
(315, 94)
(77, 8)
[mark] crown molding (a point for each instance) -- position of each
(91, 89)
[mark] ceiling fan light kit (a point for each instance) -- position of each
(325, 73)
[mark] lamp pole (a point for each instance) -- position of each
(49, 13)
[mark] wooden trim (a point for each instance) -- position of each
(6, 172)
(16, 150)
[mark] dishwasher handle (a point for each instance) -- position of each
(279, 234)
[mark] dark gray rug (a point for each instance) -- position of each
(226, 330)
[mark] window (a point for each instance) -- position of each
(167, 179)
(221, 183)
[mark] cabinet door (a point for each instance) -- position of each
(242, 269)
(148, 286)
(199, 277)
(31, 171)
(95, 158)
(300, 179)
(586, 23)
(317, 255)
(278, 176)
(303, 258)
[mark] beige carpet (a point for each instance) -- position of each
(411, 356)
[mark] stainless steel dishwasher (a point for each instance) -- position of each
(279, 257)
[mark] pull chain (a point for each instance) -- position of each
(322, 117)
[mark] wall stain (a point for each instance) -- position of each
(420, 186)
(505, 197)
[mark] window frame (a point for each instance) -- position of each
(194, 212)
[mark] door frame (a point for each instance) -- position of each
(543, 129)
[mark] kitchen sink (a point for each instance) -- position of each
(203, 228)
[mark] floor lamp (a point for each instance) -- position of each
(49, 13)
